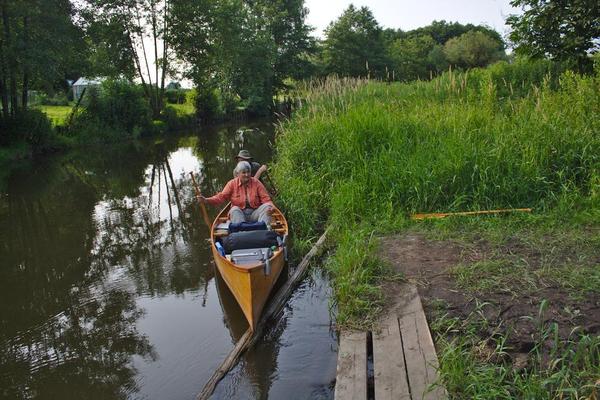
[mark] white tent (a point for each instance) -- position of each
(82, 83)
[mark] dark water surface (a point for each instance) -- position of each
(108, 289)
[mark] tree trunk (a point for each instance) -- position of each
(26, 64)
(9, 64)
(165, 49)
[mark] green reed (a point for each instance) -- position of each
(362, 155)
(552, 369)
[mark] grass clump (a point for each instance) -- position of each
(361, 156)
(569, 370)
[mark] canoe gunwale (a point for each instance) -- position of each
(223, 260)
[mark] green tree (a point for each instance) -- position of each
(128, 34)
(354, 45)
(410, 57)
(473, 49)
(242, 49)
(562, 30)
(39, 48)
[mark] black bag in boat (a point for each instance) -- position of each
(249, 240)
(247, 226)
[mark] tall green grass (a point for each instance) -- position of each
(568, 370)
(361, 156)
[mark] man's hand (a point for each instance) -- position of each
(201, 199)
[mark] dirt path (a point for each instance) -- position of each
(511, 307)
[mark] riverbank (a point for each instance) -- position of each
(363, 156)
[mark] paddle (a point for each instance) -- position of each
(202, 206)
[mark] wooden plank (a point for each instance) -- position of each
(419, 352)
(351, 379)
(388, 362)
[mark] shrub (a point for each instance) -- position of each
(116, 109)
(32, 126)
(206, 103)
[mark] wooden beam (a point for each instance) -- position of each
(351, 375)
(249, 338)
(388, 362)
(419, 352)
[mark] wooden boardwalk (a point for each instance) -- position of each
(403, 358)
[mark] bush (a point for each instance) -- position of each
(32, 126)
(59, 99)
(175, 96)
(206, 103)
(117, 109)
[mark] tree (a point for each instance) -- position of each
(410, 57)
(561, 30)
(473, 49)
(39, 46)
(126, 33)
(354, 45)
(242, 48)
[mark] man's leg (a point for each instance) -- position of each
(236, 215)
(263, 214)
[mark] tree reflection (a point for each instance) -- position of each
(81, 235)
(83, 352)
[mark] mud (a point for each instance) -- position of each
(514, 312)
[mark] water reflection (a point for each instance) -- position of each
(99, 248)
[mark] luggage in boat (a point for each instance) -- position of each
(251, 256)
(247, 226)
(249, 240)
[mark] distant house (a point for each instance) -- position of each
(82, 83)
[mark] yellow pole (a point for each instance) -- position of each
(444, 215)
(202, 206)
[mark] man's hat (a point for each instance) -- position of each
(244, 154)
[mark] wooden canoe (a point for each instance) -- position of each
(249, 283)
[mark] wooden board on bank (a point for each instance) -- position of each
(404, 358)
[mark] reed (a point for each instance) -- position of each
(363, 155)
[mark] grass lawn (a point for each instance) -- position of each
(183, 109)
(57, 114)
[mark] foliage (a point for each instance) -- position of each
(116, 110)
(354, 46)
(368, 153)
(39, 47)
(473, 49)
(122, 33)
(30, 126)
(564, 31)
(569, 371)
(241, 49)
(175, 96)
(410, 57)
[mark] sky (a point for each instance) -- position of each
(407, 14)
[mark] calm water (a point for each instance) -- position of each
(108, 289)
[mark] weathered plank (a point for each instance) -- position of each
(351, 380)
(388, 362)
(419, 352)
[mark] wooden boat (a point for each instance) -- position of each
(250, 284)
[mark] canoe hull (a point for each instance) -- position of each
(250, 284)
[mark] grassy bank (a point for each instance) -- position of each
(362, 156)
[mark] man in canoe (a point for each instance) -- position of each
(250, 201)
(257, 169)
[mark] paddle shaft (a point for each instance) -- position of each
(444, 215)
(202, 206)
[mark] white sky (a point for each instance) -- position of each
(407, 15)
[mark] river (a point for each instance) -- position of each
(108, 289)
